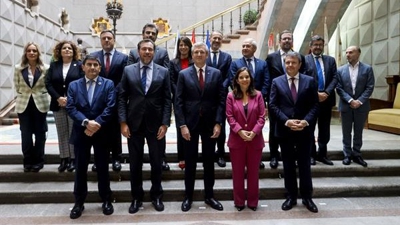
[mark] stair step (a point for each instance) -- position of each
(242, 32)
(270, 188)
(233, 36)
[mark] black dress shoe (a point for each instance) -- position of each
(273, 163)
(346, 161)
(186, 205)
(310, 205)
(221, 162)
(71, 166)
(214, 204)
(360, 160)
(158, 205)
(288, 204)
(325, 160)
(134, 208)
(312, 161)
(262, 165)
(252, 208)
(116, 166)
(63, 165)
(76, 211)
(94, 168)
(27, 168)
(108, 208)
(239, 208)
(165, 166)
(37, 168)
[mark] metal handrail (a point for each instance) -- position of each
(207, 20)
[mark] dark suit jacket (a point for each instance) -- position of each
(223, 64)
(261, 76)
(154, 106)
(191, 101)
(55, 83)
(174, 69)
(283, 107)
(118, 63)
(160, 57)
(330, 75)
(275, 68)
(364, 87)
(78, 106)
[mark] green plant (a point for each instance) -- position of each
(250, 16)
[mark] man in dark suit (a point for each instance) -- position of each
(222, 61)
(90, 104)
(199, 105)
(113, 63)
(161, 58)
(323, 69)
(294, 103)
(144, 108)
(276, 67)
(258, 69)
(355, 85)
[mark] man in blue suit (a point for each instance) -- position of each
(323, 69)
(355, 85)
(90, 103)
(294, 103)
(160, 57)
(199, 105)
(113, 63)
(276, 68)
(258, 69)
(222, 61)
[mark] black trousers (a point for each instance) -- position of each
(273, 141)
(324, 130)
(113, 130)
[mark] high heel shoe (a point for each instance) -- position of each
(181, 165)
(63, 165)
(239, 208)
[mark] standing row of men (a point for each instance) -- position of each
(142, 85)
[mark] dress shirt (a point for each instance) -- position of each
(353, 71)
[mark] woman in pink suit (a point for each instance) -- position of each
(245, 111)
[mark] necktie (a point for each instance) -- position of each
(90, 91)
(293, 89)
(321, 85)
(250, 66)
(201, 79)
(214, 62)
(144, 77)
(107, 62)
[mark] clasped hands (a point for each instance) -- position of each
(355, 104)
(62, 101)
(92, 128)
(296, 125)
(246, 135)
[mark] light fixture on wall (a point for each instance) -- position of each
(114, 10)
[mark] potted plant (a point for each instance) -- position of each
(250, 16)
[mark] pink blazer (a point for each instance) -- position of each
(237, 120)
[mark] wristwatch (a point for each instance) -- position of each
(85, 122)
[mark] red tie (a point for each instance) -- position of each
(108, 62)
(201, 79)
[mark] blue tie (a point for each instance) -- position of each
(250, 66)
(214, 62)
(321, 85)
(144, 77)
(90, 90)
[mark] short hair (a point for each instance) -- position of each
(285, 32)
(146, 40)
(24, 59)
(152, 25)
(237, 92)
(216, 31)
(107, 31)
(187, 42)
(91, 57)
(293, 55)
(316, 38)
(252, 41)
(57, 50)
(199, 45)
(358, 49)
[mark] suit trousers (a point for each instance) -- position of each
(64, 130)
(33, 122)
(272, 139)
(83, 145)
(353, 119)
(191, 155)
(136, 151)
(297, 146)
(245, 165)
(324, 130)
(113, 130)
(221, 140)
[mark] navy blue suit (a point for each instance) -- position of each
(118, 63)
(354, 117)
(200, 111)
(275, 70)
(295, 144)
(325, 107)
(100, 110)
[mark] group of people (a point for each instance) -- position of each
(108, 93)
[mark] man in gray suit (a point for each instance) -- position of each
(355, 85)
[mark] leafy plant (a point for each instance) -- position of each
(250, 16)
